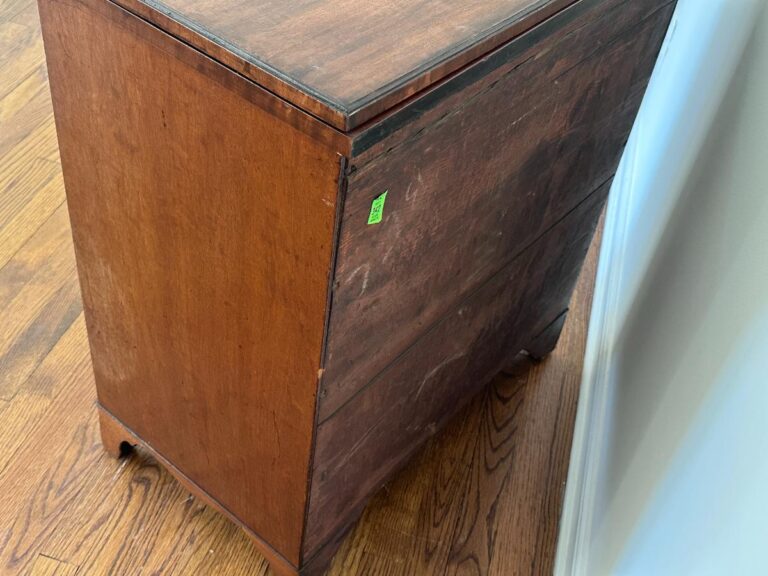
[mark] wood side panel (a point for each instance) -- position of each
(374, 434)
(345, 61)
(474, 189)
(203, 227)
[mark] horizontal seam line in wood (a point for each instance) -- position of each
(427, 129)
(359, 131)
(466, 297)
(640, 23)
(604, 121)
(173, 469)
(572, 10)
(223, 65)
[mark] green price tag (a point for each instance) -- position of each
(377, 209)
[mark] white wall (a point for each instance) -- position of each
(669, 471)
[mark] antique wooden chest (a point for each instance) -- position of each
(308, 231)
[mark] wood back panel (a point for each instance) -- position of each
(380, 429)
(345, 60)
(510, 156)
(203, 227)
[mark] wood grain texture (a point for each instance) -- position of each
(345, 61)
(47, 566)
(499, 166)
(204, 252)
(375, 433)
(482, 498)
(24, 53)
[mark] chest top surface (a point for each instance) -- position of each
(345, 61)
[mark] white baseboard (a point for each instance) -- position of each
(591, 420)
(699, 56)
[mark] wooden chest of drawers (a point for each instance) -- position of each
(308, 232)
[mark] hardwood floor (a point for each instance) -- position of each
(484, 497)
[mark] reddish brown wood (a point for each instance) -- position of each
(203, 229)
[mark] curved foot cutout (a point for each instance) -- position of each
(117, 440)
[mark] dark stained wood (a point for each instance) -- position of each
(345, 61)
(374, 434)
(479, 185)
(577, 33)
(203, 230)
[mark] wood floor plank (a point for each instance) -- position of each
(22, 12)
(40, 301)
(169, 531)
(46, 475)
(25, 108)
(21, 41)
(33, 335)
(45, 566)
(22, 225)
(67, 366)
(21, 183)
(78, 504)
(10, 9)
(46, 258)
(533, 498)
(25, 169)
